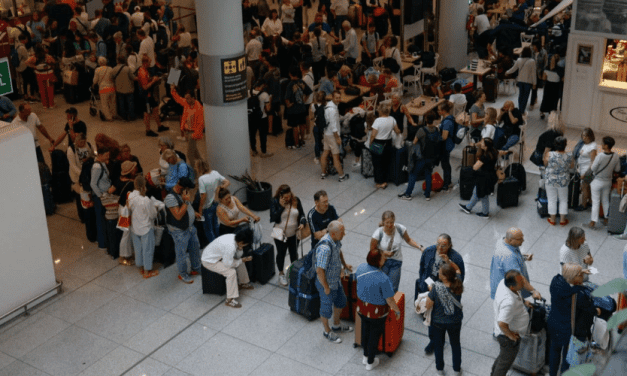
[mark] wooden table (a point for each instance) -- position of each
(480, 71)
(416, 108)
(408, 62)
(349, 98)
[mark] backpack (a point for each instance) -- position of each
(321, 121)
(254, 107)
(190, 171)
(431, 146)
(456, 132)
(15, 58)
(391, 63)
(84, 179)
(358, 130)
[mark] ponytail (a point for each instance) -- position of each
(457, 286)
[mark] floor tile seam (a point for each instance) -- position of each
(28, 364)
(94, 279)
(172, 338)
(31, 314)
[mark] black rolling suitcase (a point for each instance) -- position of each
(212, 283)
(615, 219)
(574, 189)
(466, 183)
(46, 177)
(61, 182)
(263, 263)
(91, 231)
(469, 156)
(397, 172)
(518, 171)
(70, 93)
(542, 203)
(303, 298)
(491, 87)
(507, 192)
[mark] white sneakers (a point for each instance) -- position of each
(282, 279)
(369, 367)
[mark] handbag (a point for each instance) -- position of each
(277, 232)
(588, 176)
(111, 205)
(536, 159)
(304, 233)
(579, 352)
(376, 148)
(600, 334)
(124, 221)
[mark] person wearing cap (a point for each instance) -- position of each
(123, 187)
(256, 123)
(73, 126)
(180, 221)
(116, 165)
(192, 122)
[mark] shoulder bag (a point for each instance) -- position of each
(578, 352)
(589, 175)
(277, 232)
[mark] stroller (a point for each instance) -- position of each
(94, 104)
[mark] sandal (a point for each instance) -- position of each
(141, 270)
(564, 223)
(151, 273)
(552, 223)
(247, 286)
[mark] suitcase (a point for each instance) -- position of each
(393, 330)
(542, 203)
(397, 172)
(532, 353)
(46, 177)
(349, 283)
(164, 252)
(574, 189)
(91, 232)
(61, 182)
(616, 220)
(518, 171)
(263, 263)
(491, 87)
(466, 183)
(202, 236)
(469, 156)
(212, 283)
(304, 298)
(367, 168)
(507, 192)
(436, 183)
(70, 93)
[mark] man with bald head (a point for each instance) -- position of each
(328, 260)
(507, 256)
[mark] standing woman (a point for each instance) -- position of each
(484, 171)
(319, 54)
(585, 158)
(527, 77)
(287, 214)
(387, 239)
(143, 214)
(381, 144)
(42, 63)
(399, 111)
(603, 167)
(552, 84)
(444, 297)
(229, 210)
(558, 164)
(477, 115)
(577, 251)
(376, 297)
(103, 77)
(391, 51)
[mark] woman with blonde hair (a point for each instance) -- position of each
(143, 214)
(106, 88)
(489, 128)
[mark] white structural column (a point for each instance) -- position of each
(452, 38)
(220, 36)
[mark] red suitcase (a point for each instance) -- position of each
(349, 283)
(393, 331)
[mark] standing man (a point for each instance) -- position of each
(146, 84)
(507, 256)
(339, 9)
(320, 216)
(351, 43)
(510, 320)
(124, 89)
(329, 261)
(192, 122)
(146, 48)
(180, 220)
(331, 139)
(296, 94)
(370, 46)
(253, 52)
(258, 119)
(447, 128)
(27, 118)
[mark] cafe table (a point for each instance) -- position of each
(416, 108)
(483, 67)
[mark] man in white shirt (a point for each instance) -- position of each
(339, 8)
(511, 320)
(351, 44)
(224, 256)
(259, 121)
(482, 24)
(331, 139)
(253, 52)
(137, 18)
(146, 47)
(27, 118)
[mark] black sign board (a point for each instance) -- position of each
(234, 79)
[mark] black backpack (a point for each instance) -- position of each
(431, 147)
(453, 134)
(321, 121)
(254, 107)
(358, 130)
(84, 179)
(391, 63)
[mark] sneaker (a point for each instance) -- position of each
(439, 372)
(357, 164)
(254, 154)
(342, 178)
(151, 134)
(232, 303)
(445, 188)
(332, 336)
(459, 373)
(429, 349)
(620, 237)
(163, 128)
(246, 286)
(427, 198)
(464, 208)
(542, 115)
(316, 160)
(375, 363)
(364, 360)
(405, 197)
(186, 278)
(266, 155)
(483, 215)
(322, 176)
(195, 272)
(282, 279)
(342, 329)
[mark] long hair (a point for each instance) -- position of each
(490, 150)
(457, 287)
(285, 189)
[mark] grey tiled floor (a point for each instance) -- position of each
(110, 321)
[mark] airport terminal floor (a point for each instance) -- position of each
(111, 321)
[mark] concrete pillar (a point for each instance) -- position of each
(226, 124)
(452, 34)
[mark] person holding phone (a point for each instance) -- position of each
(224, 256)
(73, 126)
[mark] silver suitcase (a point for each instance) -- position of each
(531, 356)
(616, 220)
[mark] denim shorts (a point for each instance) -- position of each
(335, 298)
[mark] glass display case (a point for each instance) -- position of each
(614, 71)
